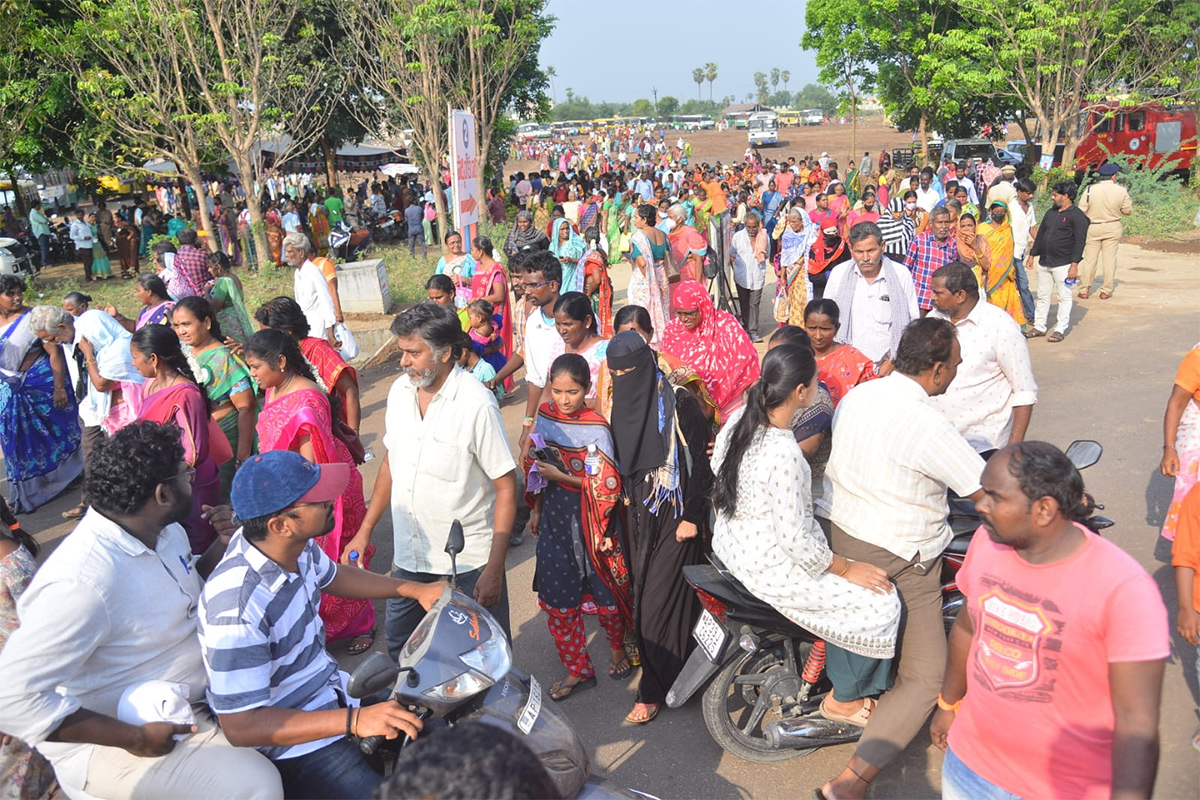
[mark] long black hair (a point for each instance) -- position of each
(15, 531)
(161, 341)
(269, 344)
(783, 369)
(284, 314)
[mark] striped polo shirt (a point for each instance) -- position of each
(262, 639)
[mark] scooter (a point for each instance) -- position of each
(347, 243)
(457, 667)
(766, 675)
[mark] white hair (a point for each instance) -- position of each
(48, 319)
(298, 241)
(677, 211)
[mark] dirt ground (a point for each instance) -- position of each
(799, 141)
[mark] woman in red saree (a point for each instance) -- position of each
(171, 394)
(580, 553)
(596, 283)
(297, 417)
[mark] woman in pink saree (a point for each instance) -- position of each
(297, 416)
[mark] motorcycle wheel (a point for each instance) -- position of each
(735, 709)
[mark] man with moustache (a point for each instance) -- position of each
(1055, 663)
(447, 459)
(272, 683)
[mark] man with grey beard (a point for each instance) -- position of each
(447, 458)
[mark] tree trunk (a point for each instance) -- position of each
(192, 173)
(1024, 126)
(923, 133)
(329, 150)
(258, 225)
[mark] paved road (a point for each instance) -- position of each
(1109, 381)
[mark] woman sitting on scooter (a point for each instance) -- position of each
(766, 535)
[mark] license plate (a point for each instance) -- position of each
(711, 635)
(533, 707)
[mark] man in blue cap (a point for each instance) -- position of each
(1105, 202)
(271, 681)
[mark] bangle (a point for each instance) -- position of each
(354, 727)
(846, 568)
(16, 526)
(945, 706)
(1168, 447)
(527, 422)
(349, 716)
(87, 362)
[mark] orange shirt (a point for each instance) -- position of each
(328, 268)
(717, 195)
(1186, 550)
(1188, 376)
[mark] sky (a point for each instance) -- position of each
(617, 50)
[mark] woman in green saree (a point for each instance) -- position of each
(227, 299)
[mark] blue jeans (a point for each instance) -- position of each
(44, 246)
(959, 782)
(335, 771)
(1023, 288)
(404, 614)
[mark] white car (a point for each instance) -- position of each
(15, 259)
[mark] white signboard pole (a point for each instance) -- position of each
(464, 173)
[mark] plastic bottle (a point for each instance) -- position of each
(592, 461)
(355, 561)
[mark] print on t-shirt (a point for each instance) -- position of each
(1013, 639)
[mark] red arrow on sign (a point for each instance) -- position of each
(467, 206)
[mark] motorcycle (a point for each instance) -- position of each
(457, 667)
(766, 674)
(347, 243)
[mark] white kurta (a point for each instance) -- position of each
(773, 545)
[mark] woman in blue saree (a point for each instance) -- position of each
(568, 247)
(39, 420)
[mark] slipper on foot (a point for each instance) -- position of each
(617, 675)
(556, 691)
(652, 710)
(859, 718)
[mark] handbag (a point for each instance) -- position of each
(349, 345)
(670, 266)
(349, 437)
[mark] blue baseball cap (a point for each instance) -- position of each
(275, 480)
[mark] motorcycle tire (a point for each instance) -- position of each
(722, 692)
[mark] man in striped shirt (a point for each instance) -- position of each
(271, 681)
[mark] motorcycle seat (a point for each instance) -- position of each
(716, 579)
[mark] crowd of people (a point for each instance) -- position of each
(653, 434)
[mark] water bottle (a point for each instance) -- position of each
(368, 454)
(592, 462)
(355, 561)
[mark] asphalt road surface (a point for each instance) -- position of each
(1109, 381)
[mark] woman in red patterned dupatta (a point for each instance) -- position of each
(297, 417)
(580, 553)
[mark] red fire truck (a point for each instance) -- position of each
(1164, 132)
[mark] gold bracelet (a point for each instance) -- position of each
(354, 724)
(945, 706)
(846, 568)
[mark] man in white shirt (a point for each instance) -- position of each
(992, 397)
(81, 235)
(1023, 218)
(113, 608)
(291, 218)
(748, 255)
(928, 191)
(875, 296)
(1005, 188)
(310, 288)
(894, 456)
(447, 459)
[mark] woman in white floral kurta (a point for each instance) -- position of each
(773, 545)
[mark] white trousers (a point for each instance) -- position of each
(1053, 278)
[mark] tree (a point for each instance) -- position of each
(698, 77)
(710, 75)
(785, 76)
(551, 74)
(668, 106)
(1054, 56)
(416, 58)
(816, 96)
(839, 44)
(760, 84)
(774, 78)
(570, 95)
(642, 107)
(780, 99)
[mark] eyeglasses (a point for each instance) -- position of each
(190, 473)
(528, 286)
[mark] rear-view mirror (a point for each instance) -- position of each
(1084, 453)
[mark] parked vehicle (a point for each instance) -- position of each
(763, 128)
(967, 149)
(766, 675)
(1163, 132)
(812, 116)
(347, 243)
(17, 259)
(457, 668)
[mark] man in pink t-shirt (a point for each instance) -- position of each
(1053, 677)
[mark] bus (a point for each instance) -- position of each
(762, 128)
(737, 119)
(533, 130)
(812, 116)
(789, 117)
(692, 122)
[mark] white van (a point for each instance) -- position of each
(763, 128)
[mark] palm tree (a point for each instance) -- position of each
(570, 95)
(785, 76)
(774, 78)
(551, 74)
(710, 75)
(760, 83)
(698, 77)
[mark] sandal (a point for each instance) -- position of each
(361, 643)
(75, 513)
(562, 690)
(1034, 333)
(648, 712)
(1105, 295)
(617, 674)
(859, 718)
(1086, 293)
(1055, 337)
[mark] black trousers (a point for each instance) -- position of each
(750, 301)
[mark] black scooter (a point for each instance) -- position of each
(457, 667)
(766, 675)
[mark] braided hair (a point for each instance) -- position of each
(15, 531)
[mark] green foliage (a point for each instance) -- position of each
(1162, 203)
(816, 96)
(760, 86)
(668, 106)
(642, 107)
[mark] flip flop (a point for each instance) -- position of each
(361, 643)
(1085, 294)
(633, 721)
(75, 513)
(859, 718)
(621, 673)
(1105, 295)
(1034, 333)
(1055, 337)
(557, 689)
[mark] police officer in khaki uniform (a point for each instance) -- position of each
(1104, 202)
